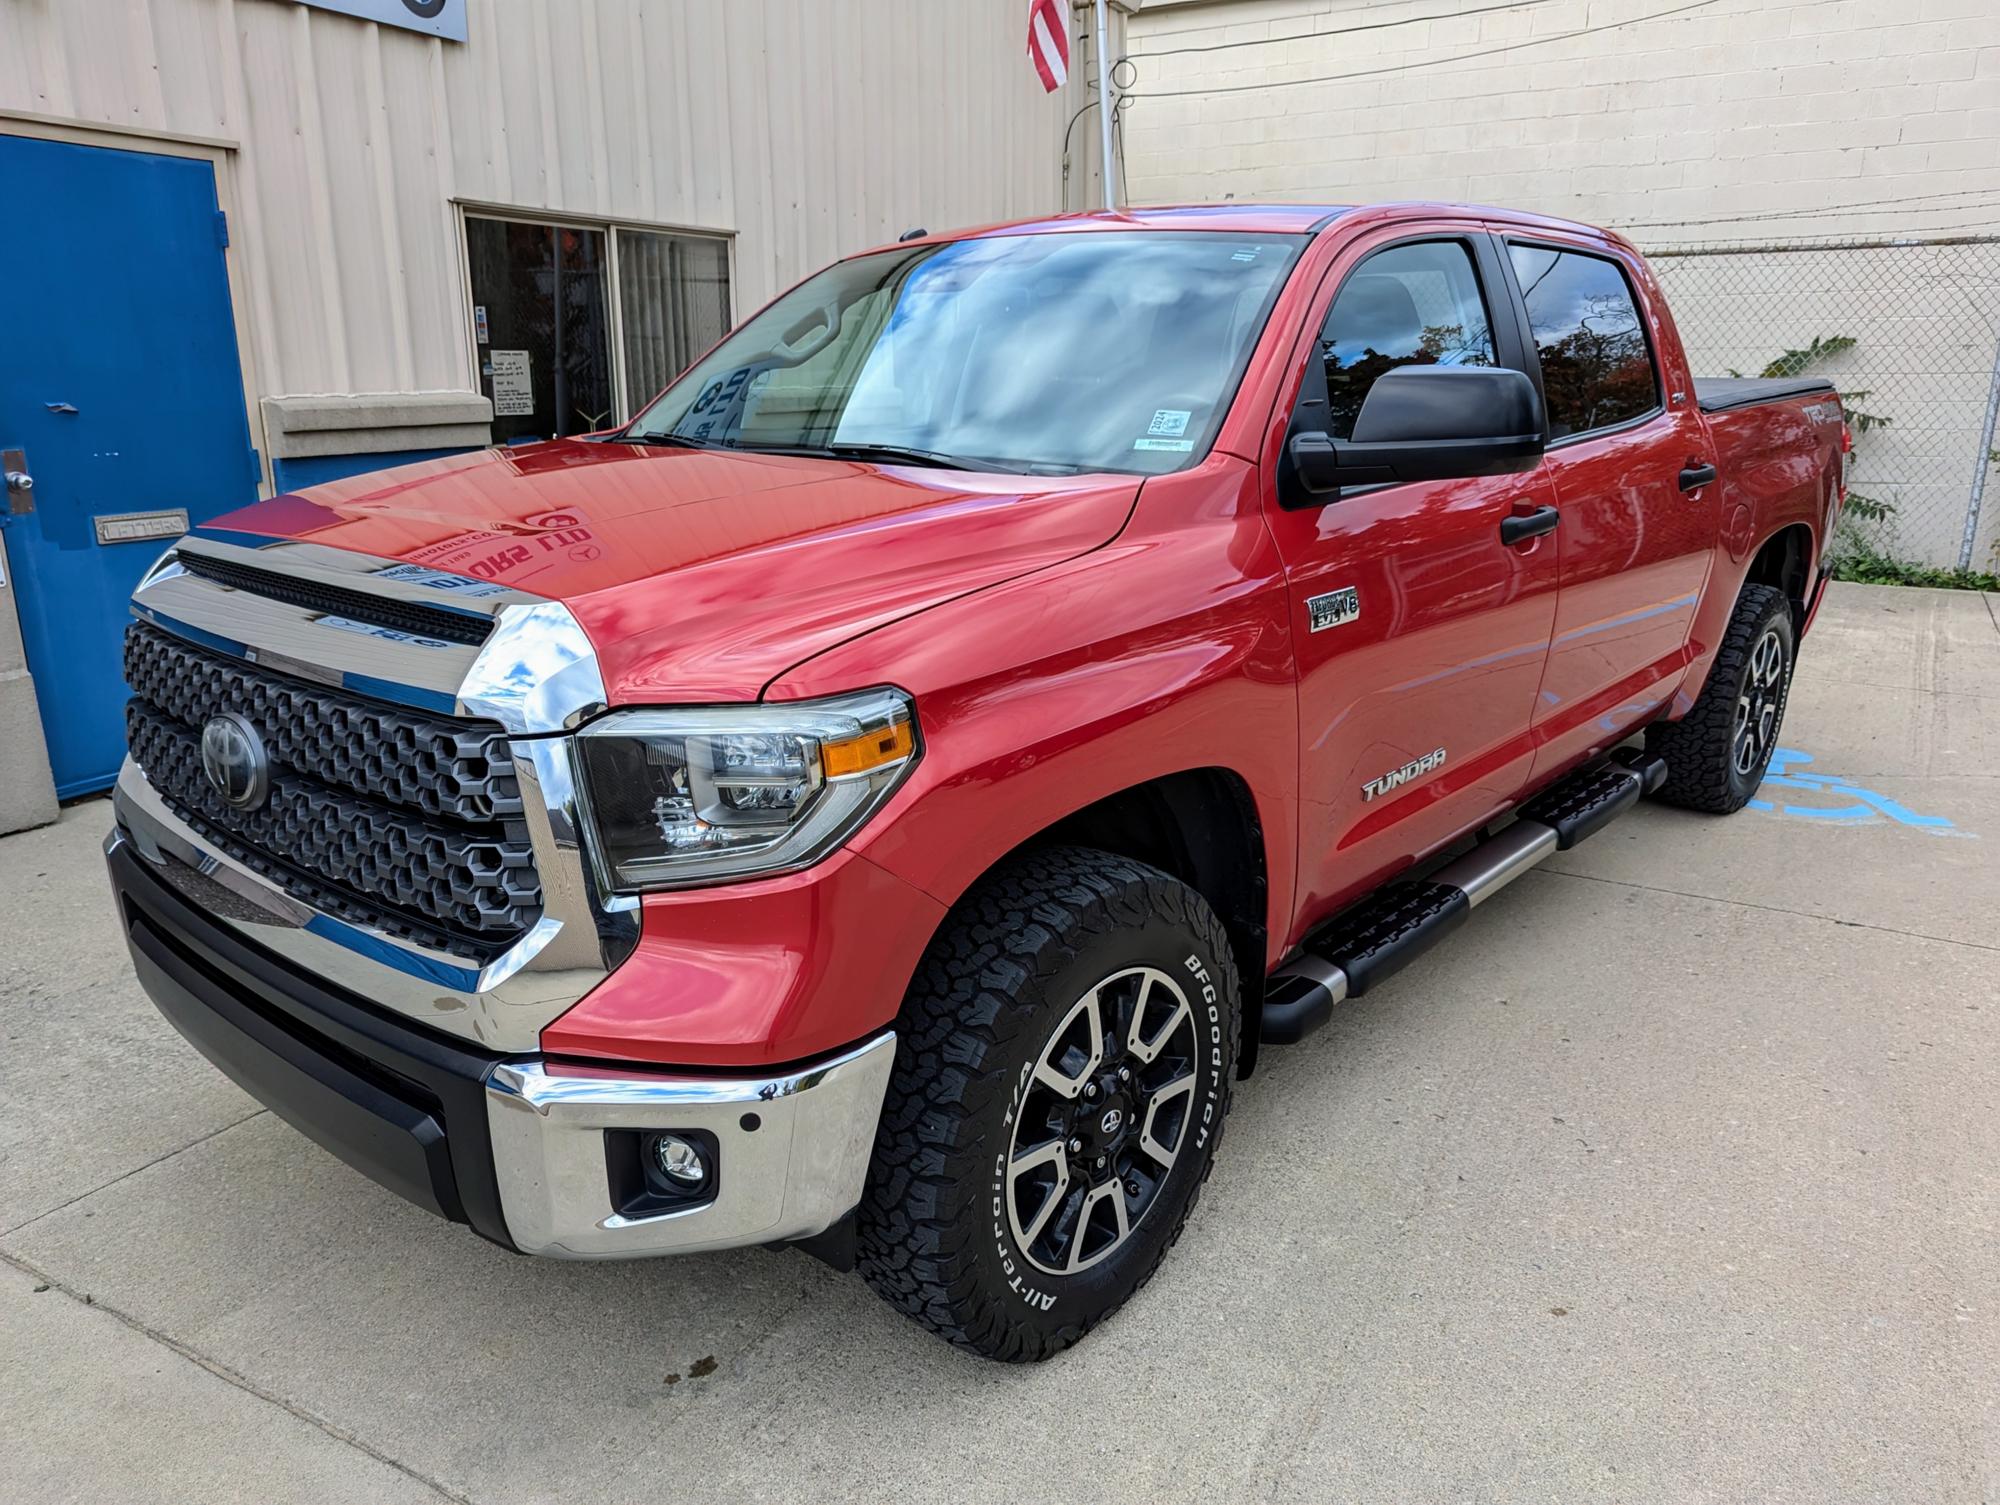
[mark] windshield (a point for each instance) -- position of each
(1040, 353)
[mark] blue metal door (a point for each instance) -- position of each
(121, 389)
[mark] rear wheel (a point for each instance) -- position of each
(1716, 755)
(1063, 1065)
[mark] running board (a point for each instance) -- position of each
(1397, 923)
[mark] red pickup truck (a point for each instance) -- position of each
(882, 798)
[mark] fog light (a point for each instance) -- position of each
(680, 1162)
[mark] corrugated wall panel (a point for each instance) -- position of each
(808, 129)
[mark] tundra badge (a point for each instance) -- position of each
(1398, 777)
(1334, 609)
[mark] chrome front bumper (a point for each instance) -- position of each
(793, 1152)
(517, 1146)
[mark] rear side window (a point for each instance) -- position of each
(1597, 371)
(1413, 305)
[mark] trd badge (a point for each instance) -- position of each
(1334, 609)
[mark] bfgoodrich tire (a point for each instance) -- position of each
(1716, 755)
(1063, 1067)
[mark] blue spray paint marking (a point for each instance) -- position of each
(1864, 806)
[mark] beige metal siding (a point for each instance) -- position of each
(806, 128)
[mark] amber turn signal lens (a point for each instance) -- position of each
(872, 749)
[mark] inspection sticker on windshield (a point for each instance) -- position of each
(1168, 423)
(1172, 446)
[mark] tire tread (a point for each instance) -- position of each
(920, 1219)
(1697, 748)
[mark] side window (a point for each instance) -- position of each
(1596, 368)
(1413, 305)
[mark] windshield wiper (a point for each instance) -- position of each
(894, 453)
(888, 453)
(675, 441)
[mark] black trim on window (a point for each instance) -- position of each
(1503, 242)
(1513, 348)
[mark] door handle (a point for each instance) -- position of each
(1529, 525)
(20, 485)
(1694, 477)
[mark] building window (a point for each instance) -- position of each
(576, 325)
(674, 294)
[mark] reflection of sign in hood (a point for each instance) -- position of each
(704, 574)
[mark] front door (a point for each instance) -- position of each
(121, 391)
(1636, 548)
(1421, 637)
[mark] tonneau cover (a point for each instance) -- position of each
(1718, 394)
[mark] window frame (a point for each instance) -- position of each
(624, 402)
(1505, 317)
(1507, 241)
(1493, 325)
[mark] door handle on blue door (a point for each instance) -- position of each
(1694, 477)
(1529, 525)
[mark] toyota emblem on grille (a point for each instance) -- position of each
(233, 757)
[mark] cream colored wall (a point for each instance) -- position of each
(1733, 121)
(806, 128)
(1681, 127)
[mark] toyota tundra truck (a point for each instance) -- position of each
(882, 799)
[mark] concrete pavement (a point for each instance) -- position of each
(1672, 1178)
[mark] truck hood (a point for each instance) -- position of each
(702, 575)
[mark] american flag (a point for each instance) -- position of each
(1048, 43)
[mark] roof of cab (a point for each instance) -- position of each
(1253, 219)
(1262, 219)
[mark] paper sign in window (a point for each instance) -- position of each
(513, 384)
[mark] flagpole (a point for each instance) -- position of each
(1105, 109)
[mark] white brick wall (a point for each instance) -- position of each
(1745, 121)
(1696, 125)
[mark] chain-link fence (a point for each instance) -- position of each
(1909, 331)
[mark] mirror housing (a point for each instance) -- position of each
(1428, 423)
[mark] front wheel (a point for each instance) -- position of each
(1063, 1066)
(1716, 755)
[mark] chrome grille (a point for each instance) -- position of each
(399, 616)
(459, 770)
(407, 823)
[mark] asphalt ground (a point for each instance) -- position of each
(1672, 1177)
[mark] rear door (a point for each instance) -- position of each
(1636, 548)
(121, 394)
(1420, 636)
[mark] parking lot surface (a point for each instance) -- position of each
(1675, 1176)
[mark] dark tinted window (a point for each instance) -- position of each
(1596, 368)
(543, 330)
(1415, 305)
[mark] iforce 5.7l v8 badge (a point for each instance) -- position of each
(1334, 609)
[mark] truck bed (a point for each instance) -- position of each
(1718, 394)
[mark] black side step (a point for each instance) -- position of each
(1374, 940)
(1397, 923)
(1586, 802)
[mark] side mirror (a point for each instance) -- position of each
(1428, 423)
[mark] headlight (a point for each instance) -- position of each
(678, 798)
